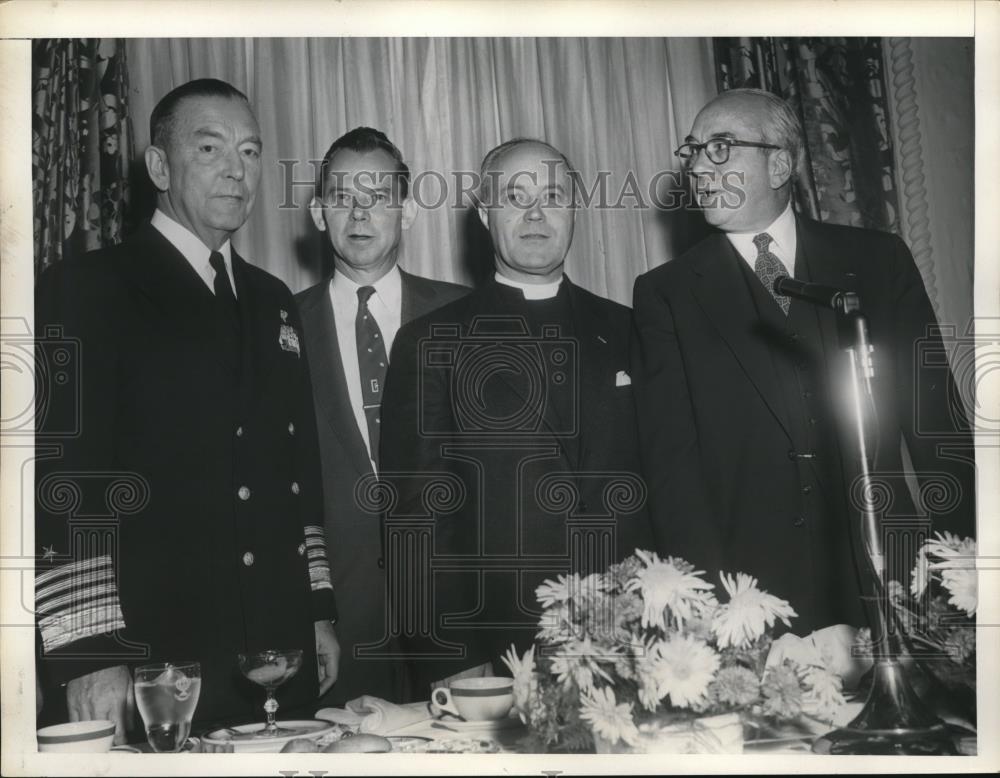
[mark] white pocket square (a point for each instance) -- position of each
(622, 379)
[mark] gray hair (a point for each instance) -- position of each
(781, 125)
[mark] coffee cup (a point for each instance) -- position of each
(476, 699)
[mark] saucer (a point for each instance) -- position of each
(445, 723)
(246, 743)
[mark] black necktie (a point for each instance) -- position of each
(223, 289)
(769, 268)
(372, 361)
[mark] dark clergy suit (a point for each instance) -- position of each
(184, 512)
(533, 450)
(356, 559)
(746, 465)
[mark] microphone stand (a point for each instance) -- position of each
(893, 719)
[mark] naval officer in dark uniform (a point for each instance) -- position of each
(179, 505)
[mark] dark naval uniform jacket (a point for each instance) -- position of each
(179, 505)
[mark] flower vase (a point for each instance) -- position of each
(722, 734)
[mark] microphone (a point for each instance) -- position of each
(817, 294)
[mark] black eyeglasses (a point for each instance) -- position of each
(716, 149)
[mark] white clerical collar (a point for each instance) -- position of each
(532, 291)
(192, 248)
(388, 289)
(783, 240)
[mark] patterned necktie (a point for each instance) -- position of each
(372, 361)
(769, 268)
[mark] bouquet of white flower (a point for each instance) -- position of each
(648, 641)
(938, 616)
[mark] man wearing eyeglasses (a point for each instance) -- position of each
(363, 207)
(744, 440)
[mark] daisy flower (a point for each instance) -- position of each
(668, 586)
(748, 613)
(607, 718)
(525, 680)
(683, 668)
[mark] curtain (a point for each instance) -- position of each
(615, 105)
(837, 85)
(81, 146)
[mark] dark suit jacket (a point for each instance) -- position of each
(356, 560)
(720, 440)
(518, 482)
(180, 500)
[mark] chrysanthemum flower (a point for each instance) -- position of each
(823, 697)
(607, 718)
(736, 685)
(683, 668)
(955, 557)
(748, 613)
(668, 589)
(568, 588)
(578, 662)
(782, 691)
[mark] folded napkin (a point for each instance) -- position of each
(829, 647)
(374, 715)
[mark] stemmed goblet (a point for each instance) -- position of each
(270, 669)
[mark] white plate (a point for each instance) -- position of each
(309, 728)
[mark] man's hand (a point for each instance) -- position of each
(104, 694)
(327, 655)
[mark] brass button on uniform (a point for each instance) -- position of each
(302, 549)
(381, 563)
(806, 489)
(291, 428)
(243, 493)
(239, 432)
(295, 487)
(248, 559)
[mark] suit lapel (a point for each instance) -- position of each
(722, 294)
(257, 327)
(417, 300)
(329, 384)
(162, 274)
(816, 261)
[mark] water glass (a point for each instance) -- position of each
(166, 695)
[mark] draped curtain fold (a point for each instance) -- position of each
(615, 105)
(837, 85)
(81, 146)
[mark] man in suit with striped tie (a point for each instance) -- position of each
(743, 436)
(363, 206)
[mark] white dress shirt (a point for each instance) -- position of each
(194, 251)
(386, 305)
(544, 291)
(782, 232)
